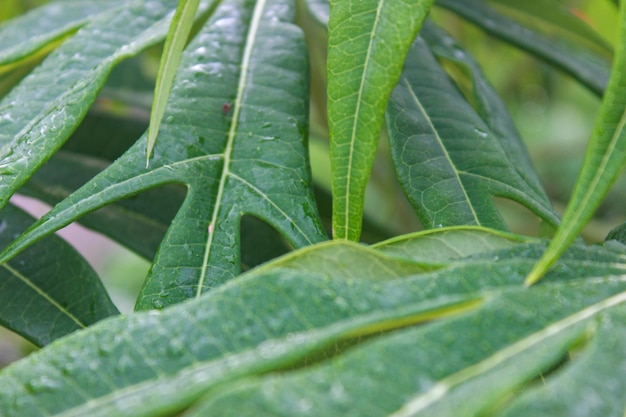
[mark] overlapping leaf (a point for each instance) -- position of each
(297, 307)
(140, 221)
(40, 113)
(450, 161)
(234, 133)
(468, 366)
(588, 61)
(367, 42)
(49, 290)
(604, 160)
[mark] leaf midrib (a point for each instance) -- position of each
(357, 111)
(45, 296)
(442, 146)
(439, 390)
(243, 78)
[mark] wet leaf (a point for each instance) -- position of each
(251, 159)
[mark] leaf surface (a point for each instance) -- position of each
(464, 366)
(450, 161)
(310, 302)
(573, 50)
(250, 159)
(49, 290)
(36, 120)
(25, 35)
(604, 160)
(367, 42)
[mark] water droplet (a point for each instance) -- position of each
(41, 385)
(481, 133)
(266, 125)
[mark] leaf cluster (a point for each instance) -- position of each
(260, 300)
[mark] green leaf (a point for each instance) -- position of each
(461, 367)
(588, 62)
(604, 160)
(172, 51)
(367, 42)
(28, 34)
(48, 291)
(474, 314)
(251, 159)
(138, 222)
(434, 248)
(450, 162)
(36, 120)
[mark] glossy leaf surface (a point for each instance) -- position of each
(247, 158)
(49, 290)
(450, 161)
(604, 161)
(313, 301)
(367, 41)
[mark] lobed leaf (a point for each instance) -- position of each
(450, 161)
(576, 51)
(367, 43)
(48, 291)
(308, 304)
(246, 158)
(140, 221)
(604, 160)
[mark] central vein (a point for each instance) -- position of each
(245, 69)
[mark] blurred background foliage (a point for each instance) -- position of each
(554, 115)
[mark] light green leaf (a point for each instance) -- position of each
(172, 51)
(476, 318)
(450, 161)
(48, 291)
(366, 47)
(36, 120)
(251, 159)
(588, 62)
(432, 248)
(604, 160)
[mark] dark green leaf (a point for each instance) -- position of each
(49, 290)
(246, 158)
(451, 163)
